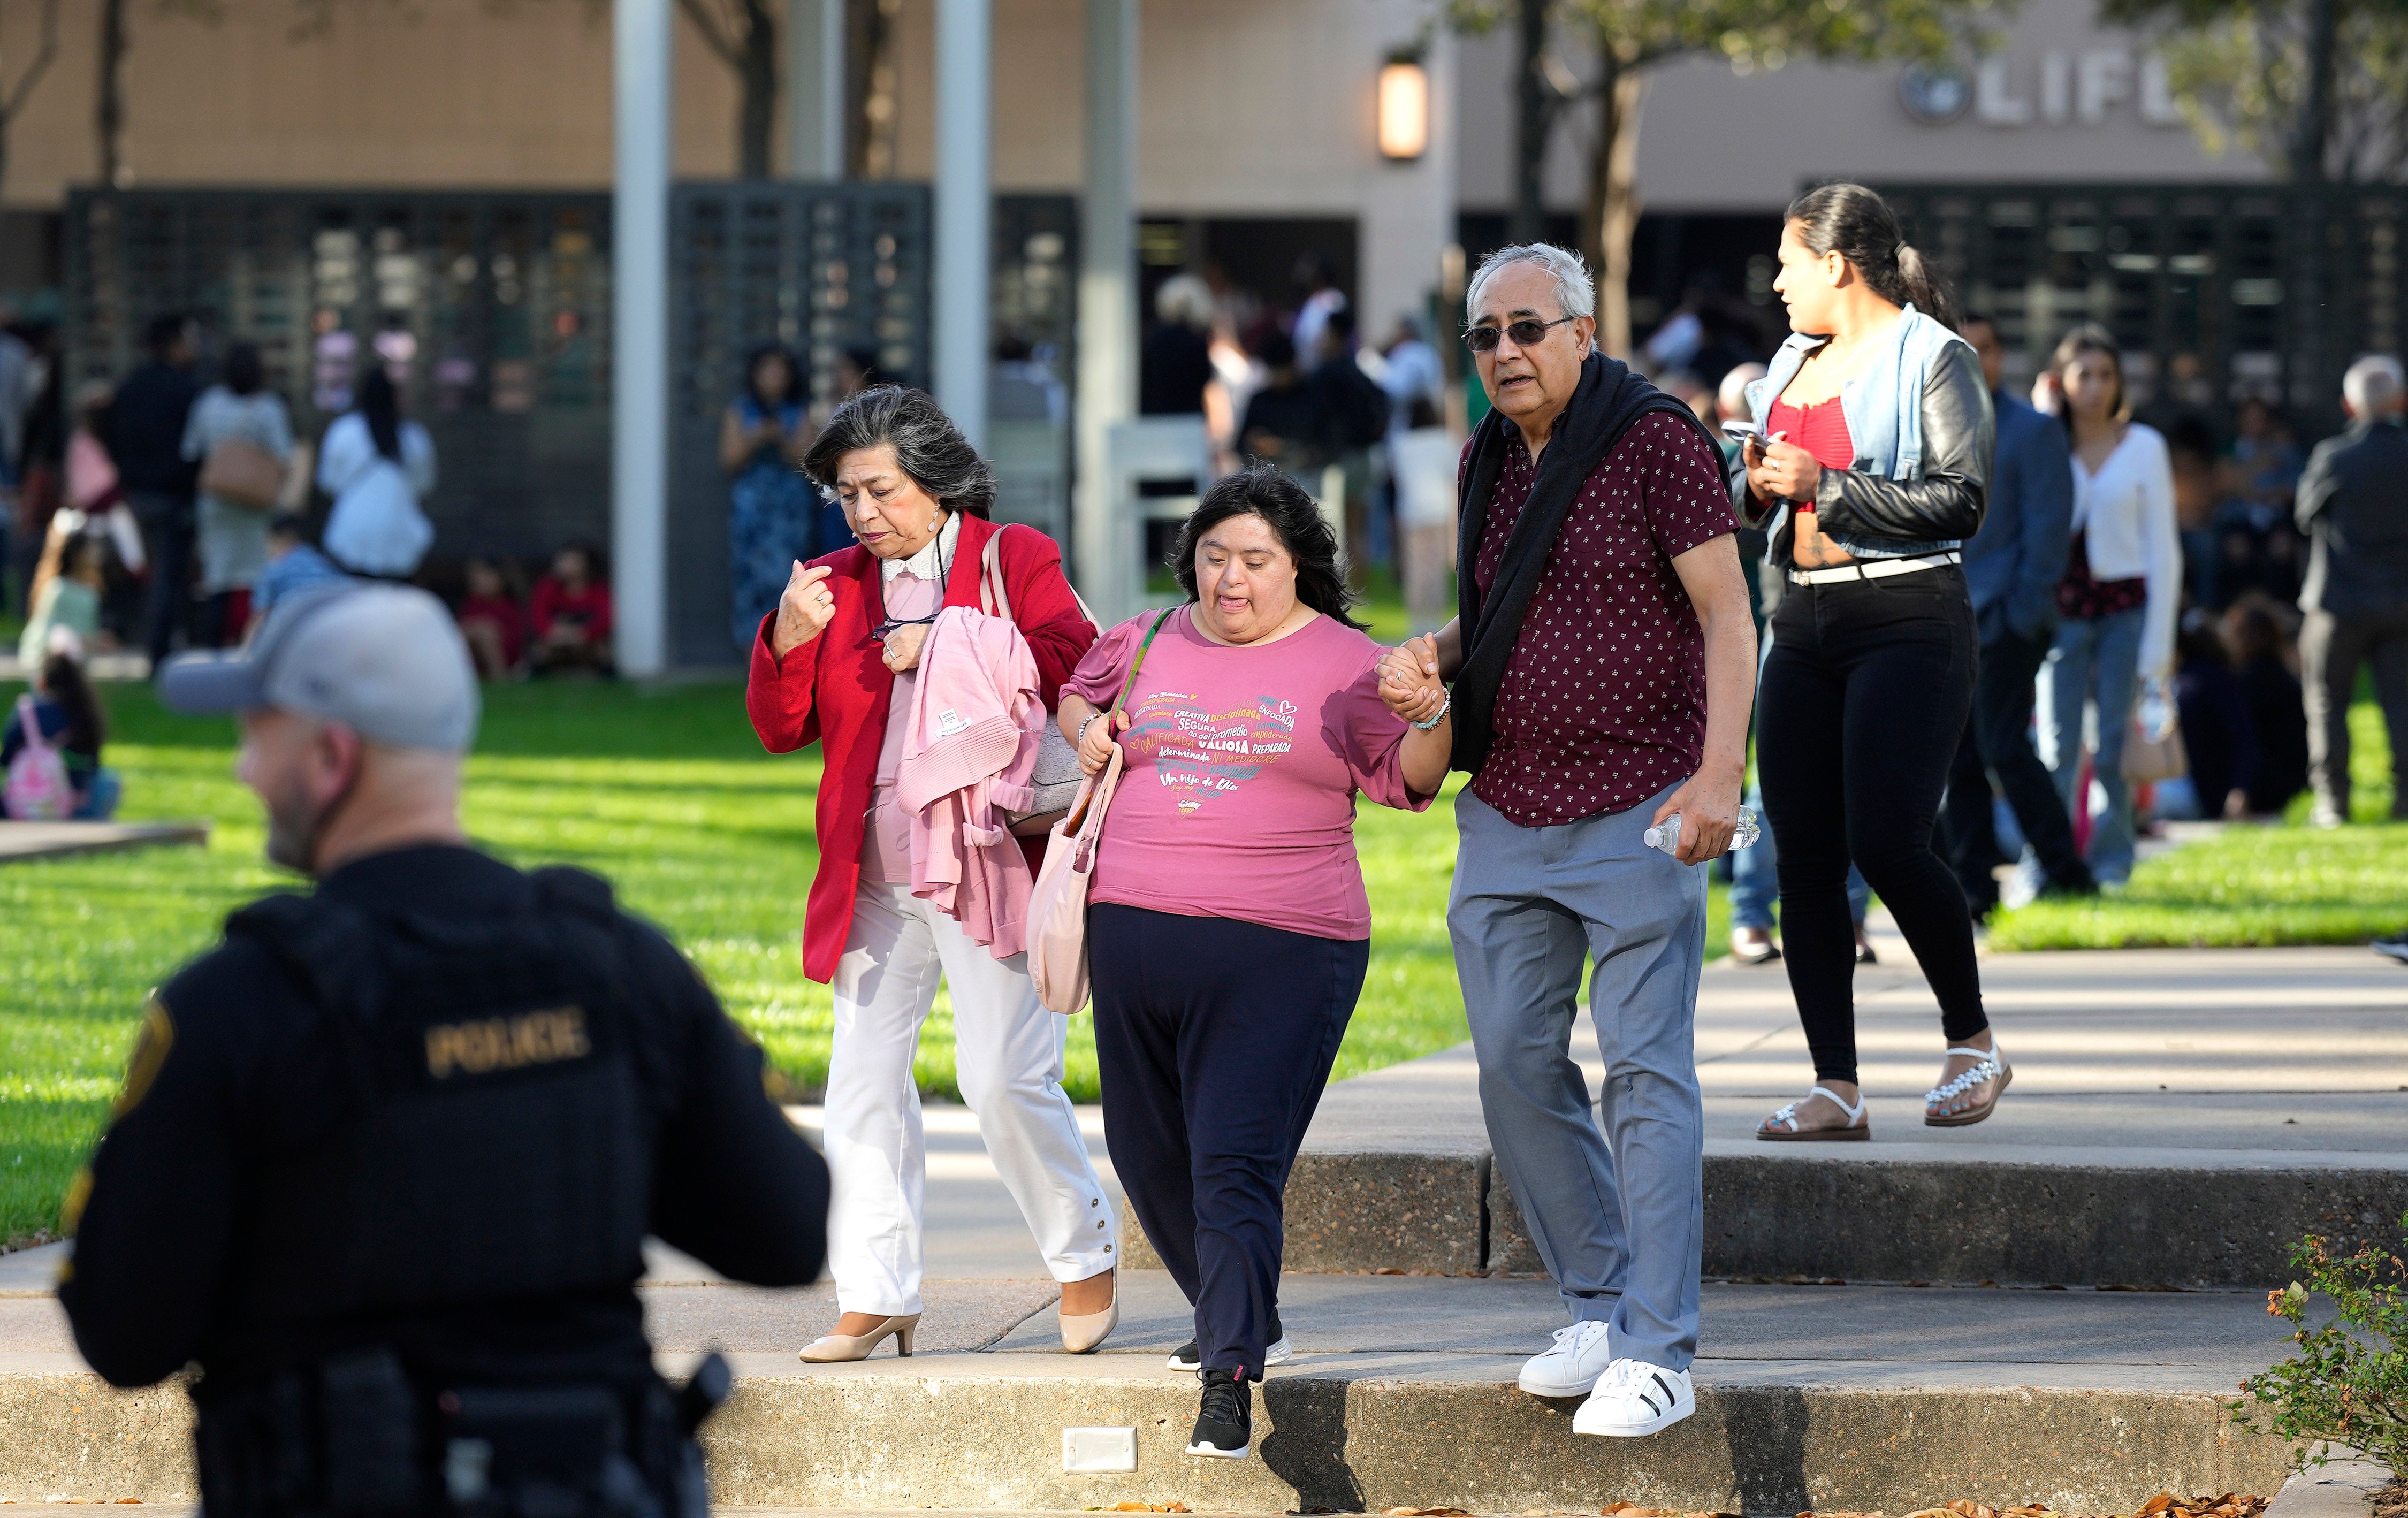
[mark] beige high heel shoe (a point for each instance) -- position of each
(1083, 1332)
(831, 1348)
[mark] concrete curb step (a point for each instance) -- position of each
(2196, 1218)
(1346, 1432)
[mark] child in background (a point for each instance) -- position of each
(493, 621)
(572, 614)
(67, 713)
(293, 565)
(67, 587)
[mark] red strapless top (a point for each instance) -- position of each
(1821, 429)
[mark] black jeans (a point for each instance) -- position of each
(167, 523)
(1997, 741)
(1859, 712)
(2330, 650)
(1214, 1038)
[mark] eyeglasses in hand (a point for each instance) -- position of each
(1525, 333)
(888, 628)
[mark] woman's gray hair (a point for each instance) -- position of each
(1575, 291)
(927, 447)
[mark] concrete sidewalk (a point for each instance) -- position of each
(2146, 1084)
(2211, 1106)
(2181, 1067)
(1401, 1394)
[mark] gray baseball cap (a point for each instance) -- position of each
(385, 661)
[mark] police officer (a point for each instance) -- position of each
(386, 1156)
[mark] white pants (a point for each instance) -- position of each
(1007, 1058)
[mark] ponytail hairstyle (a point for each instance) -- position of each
(1859, 225)
(2090, 338)
(379, 402)
(63, 681)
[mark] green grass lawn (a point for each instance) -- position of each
(664, 791)
(2253, 885)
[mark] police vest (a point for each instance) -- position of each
(497, 1144)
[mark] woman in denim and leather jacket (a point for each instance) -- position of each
(1871, 470)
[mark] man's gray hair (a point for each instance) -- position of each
(1575, 291)
(2373, 385)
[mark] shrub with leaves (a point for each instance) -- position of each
(2348, 1383)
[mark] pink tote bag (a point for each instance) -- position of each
(1057, 907)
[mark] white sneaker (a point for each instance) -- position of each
(1571, 1367)
(1634, 1399)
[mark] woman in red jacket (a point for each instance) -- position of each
(835, 664)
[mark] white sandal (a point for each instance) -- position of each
(1989, 1065)
(1858, 1127)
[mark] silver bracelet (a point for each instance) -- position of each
(1082, 728)
(1444, 707)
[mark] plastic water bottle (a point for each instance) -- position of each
(2156, 713)
(1666, 835)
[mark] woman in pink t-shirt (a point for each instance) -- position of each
(1228, 931)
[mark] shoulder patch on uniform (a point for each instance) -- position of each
(71, 1214)
(152, 1042)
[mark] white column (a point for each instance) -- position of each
(965, 209)
(640, 348)
(1107, 302)
(815, 89)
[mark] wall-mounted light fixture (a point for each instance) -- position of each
(1404, 107)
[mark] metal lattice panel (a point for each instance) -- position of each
(490, 310)
(823, 269)
(2272, 289)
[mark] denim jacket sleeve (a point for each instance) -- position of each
(1946, 501)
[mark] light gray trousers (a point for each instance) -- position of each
(1618, 1217)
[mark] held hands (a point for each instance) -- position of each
(1408, 680)
(804, 610)
(1708, 808)
(1095, 747)
(1780, 470)
(903, 647)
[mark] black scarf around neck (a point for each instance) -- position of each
(1608, 400)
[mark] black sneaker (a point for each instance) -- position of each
(1187, 1358)
(1225, 1421)
(2394, 947)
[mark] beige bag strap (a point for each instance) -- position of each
(1085, 818)
(994, 598)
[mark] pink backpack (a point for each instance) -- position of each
(38, 788)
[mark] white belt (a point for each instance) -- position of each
(1873, 568)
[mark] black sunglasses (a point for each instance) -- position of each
(1525, 333)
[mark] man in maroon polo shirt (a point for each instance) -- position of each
(1603, 685)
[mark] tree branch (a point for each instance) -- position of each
(714, 34)
(40, 65)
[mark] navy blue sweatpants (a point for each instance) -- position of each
(1214, 1038)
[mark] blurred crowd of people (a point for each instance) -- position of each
(2174, 660)
(1355, 417)
(2175, 622)
(176, 505)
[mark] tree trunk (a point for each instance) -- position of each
(1613, 211)
(108, 118)
(1532, 120)
(756, 108)
(2314, 130)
